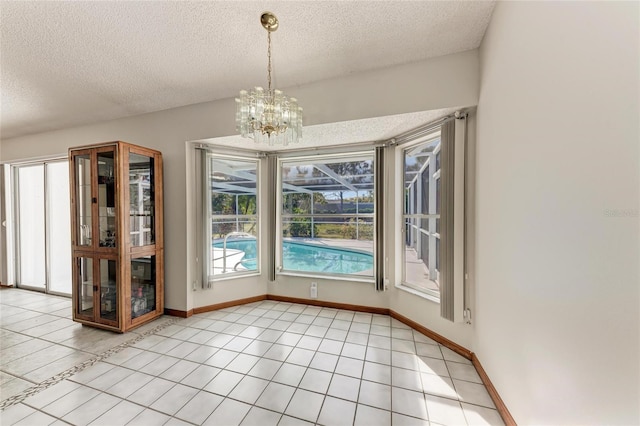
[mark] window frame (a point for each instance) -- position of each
(299, 158)
(207, 168)
(426, 139)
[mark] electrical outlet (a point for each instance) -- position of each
(467, 316)
(313, 290)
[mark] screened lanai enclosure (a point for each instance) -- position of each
(329, 199)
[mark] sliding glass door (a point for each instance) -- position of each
(44, 236)
(58, 227)
(31, 246)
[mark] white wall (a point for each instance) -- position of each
(557, 324)
(437, 83)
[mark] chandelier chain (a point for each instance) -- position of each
(269, 56)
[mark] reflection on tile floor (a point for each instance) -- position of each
(258, 364)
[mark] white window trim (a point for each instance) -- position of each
(321, 159)
(420, 293)
(207, 216)
(456, 287)
(431, 295)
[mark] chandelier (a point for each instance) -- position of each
(268, 116)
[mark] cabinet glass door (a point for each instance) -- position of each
(107, 199)
(108, 290)
(143, 286)
(82, 165)
(85, 287)
(141, 201)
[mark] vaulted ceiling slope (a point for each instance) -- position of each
(71, 63)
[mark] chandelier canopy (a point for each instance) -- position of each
(268, 116)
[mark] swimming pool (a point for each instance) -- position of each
(302, 257)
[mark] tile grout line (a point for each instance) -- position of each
(18, 398)
(325, 394)
(25, 378)
(272, 343)
(31, 310)
(296, 388)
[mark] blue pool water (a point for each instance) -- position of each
(303, 257)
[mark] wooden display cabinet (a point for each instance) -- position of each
(117, 238)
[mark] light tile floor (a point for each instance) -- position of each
(264, 363)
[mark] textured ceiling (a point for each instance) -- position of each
(76, 62)
(344, 132)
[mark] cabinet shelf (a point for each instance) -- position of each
(117, 239)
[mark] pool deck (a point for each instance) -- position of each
(417, 273)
